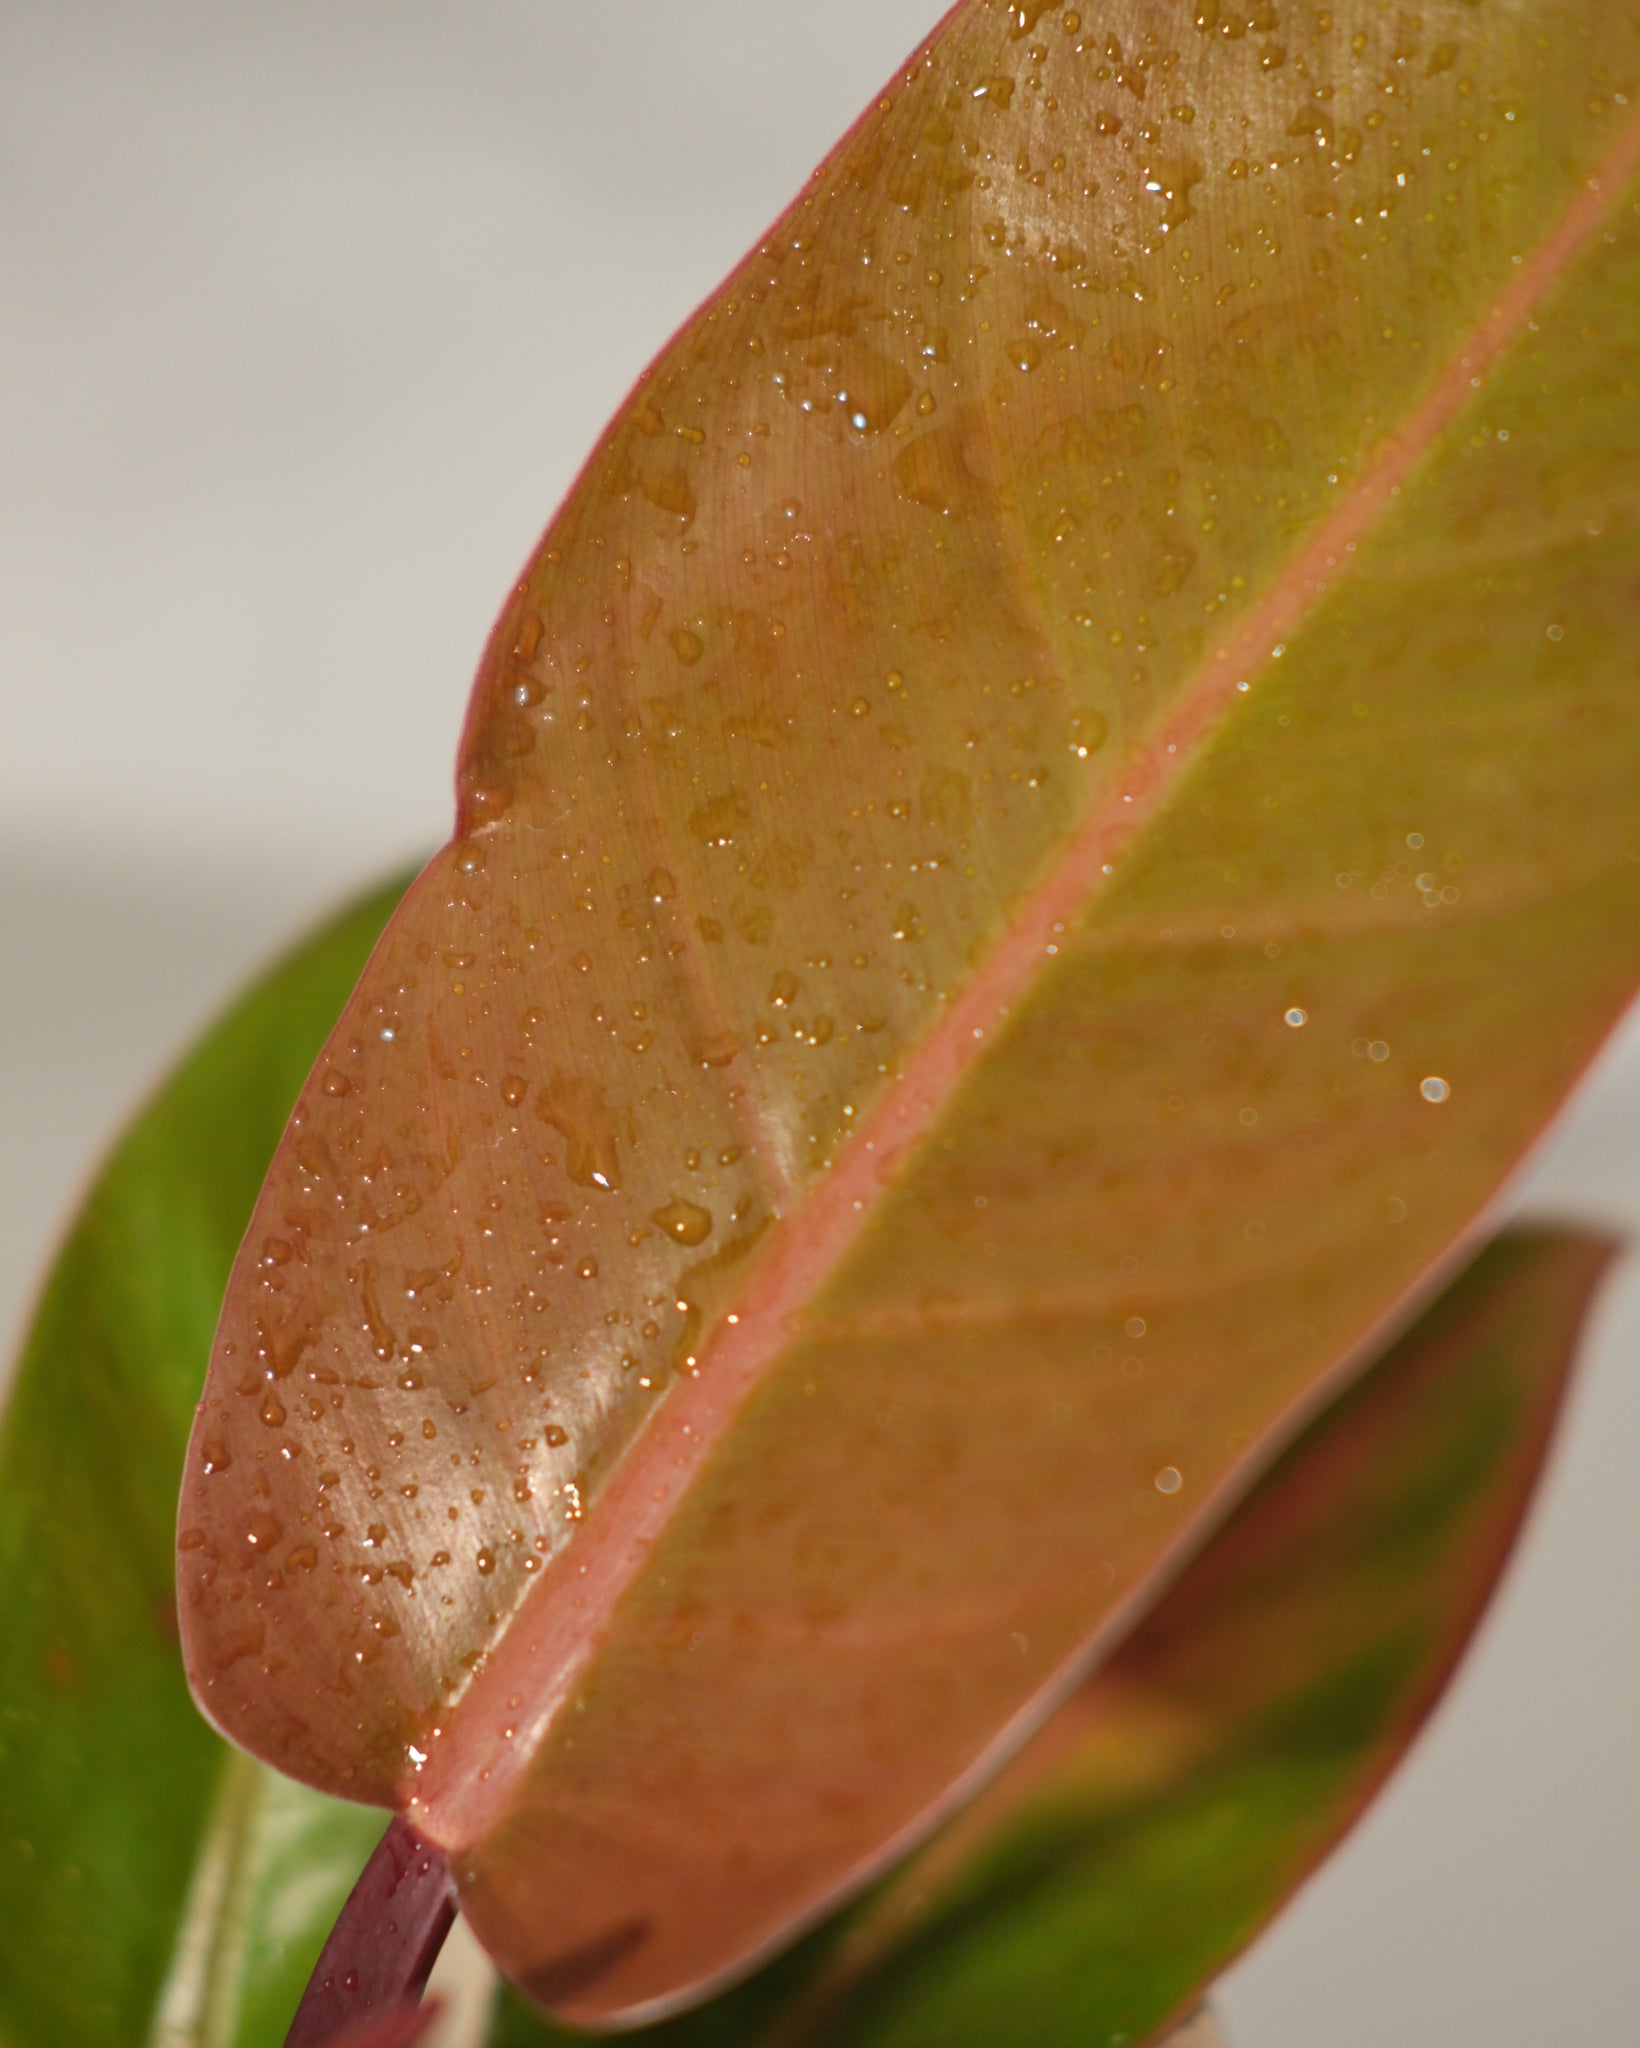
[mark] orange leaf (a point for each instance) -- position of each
(1051, 816)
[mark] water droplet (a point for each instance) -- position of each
(486, 1561)
(687, 646)
(588, 1268)
(1089, 731)
(1136, 1326)
(555, 1435)
(1297, 1018)
(1169, 1479)
(715, 1048)
(1433, 1089)
(1378, 1050)
(577, 1110)
(720, 818)
(783, 989)
(685, 1222)
(272, 1410)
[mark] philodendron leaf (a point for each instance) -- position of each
(157, 1889)
(1171, 1805)
(1052, 815)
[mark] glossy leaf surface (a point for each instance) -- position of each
(1053, 813)
(155, 1886)
(1167, 1810)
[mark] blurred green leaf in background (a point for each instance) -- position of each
(154, 1885)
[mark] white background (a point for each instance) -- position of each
(307, 314)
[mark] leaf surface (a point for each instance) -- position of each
(1051, 816)
(155, 1886)
(1166, 1811)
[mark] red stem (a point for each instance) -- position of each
(385, 1941)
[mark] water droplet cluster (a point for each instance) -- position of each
(894, 573)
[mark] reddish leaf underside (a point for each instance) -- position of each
(1052, 814)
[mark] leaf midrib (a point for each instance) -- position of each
(473, 1767)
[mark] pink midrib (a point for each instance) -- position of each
(484, 1746)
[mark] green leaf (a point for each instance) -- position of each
(1052, 816)
(1168, 1809)
(156, 1888)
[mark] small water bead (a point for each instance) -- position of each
(1297, 1019)
(1169, 1479)
(684, 1222)
(1433, 1089)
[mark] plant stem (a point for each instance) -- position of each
(385, 1941)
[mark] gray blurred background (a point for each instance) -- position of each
(307, 315)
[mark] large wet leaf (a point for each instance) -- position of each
(155, 1886)
(1052, 815)
(1150, 1829)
